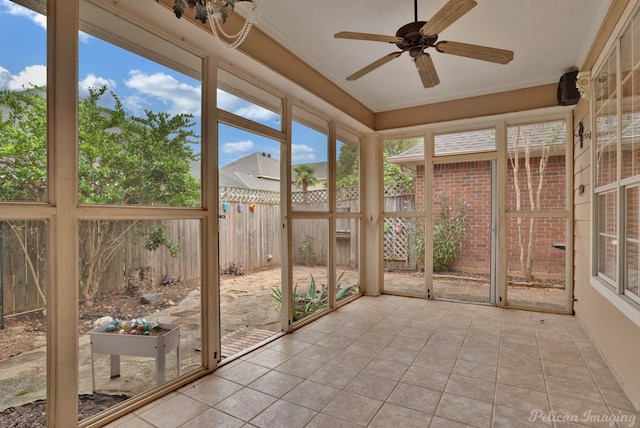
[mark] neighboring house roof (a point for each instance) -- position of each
(257, 170)
(463, 142)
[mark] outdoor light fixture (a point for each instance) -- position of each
(216, 13)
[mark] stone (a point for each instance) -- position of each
(150, 298)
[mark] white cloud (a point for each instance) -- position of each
(33, 75)
(226, 101)
(136, 104)
(255, 112)
(181, 97)
(93, 81)
(302, 153)
(239, 147)
(17, 10)
(243, 108)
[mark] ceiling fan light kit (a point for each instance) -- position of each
(416, 37)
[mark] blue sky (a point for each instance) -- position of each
(140, 84)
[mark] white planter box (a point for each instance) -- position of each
(116, 344)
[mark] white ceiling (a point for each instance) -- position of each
(548, 37)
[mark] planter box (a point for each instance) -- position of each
(116, 344)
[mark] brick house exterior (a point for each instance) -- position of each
(471, 182)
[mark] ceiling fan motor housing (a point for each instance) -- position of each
(413, 41)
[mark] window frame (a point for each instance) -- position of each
(613, 289)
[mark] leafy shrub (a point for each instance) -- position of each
(449, 232)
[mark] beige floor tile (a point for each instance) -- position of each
(283, 414)
(336, 342)
(398, 355)
(335, 376)
(518, 330)
(289, 345)
(465, 410)
(396, 362)
(371, 386)
(559, 350)
(426, 378)
(306, 335)
(130, 422)
(438, 422)
(395, 416)
(522, 399)
(311, 394)
(326, 421)
(213, 418)
(475, 369)
(174, 412)
(507, 417)
(440, 348)
(434, 361)
(245, 404)
(366, 347)
(269, 358)
(570, 388)
(275, 383)
(243, 373)
(415, 397)
(353, 408)
(442, 336)
(576, 409)
(614, 396)
(525, 362)
(569, 371)
(210, 390)
(416, 333)
(471, 388)
(319, 352)
(300, 367)
(387, 369)
(522, 379)
(352, 360)
(408, 343)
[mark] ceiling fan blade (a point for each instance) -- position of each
(369, 68)
(484, 53)
(367, 36)
(450, 13)
(427, 70)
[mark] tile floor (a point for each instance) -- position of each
(390, 361)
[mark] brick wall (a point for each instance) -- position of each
(471, 182)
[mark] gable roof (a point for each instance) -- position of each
(258, 170)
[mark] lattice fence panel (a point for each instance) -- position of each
(396, 239)
(312, 197)
(237, 194)
(398, 188)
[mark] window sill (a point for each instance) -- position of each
(625, 305)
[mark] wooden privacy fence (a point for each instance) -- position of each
(250, 238)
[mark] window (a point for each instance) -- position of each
(617, 164)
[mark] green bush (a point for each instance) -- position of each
(449, 232)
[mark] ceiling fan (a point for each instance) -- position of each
(416, 37)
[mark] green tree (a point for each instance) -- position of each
(305, 177)
(348, 165)
(23, 148)
(123, 160)
(392, 172)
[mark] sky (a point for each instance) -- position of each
(140, 84)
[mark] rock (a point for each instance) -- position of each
(102, 321)
(150, 298)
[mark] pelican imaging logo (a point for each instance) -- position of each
(589, 416)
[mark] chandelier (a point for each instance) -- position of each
(216, 13)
